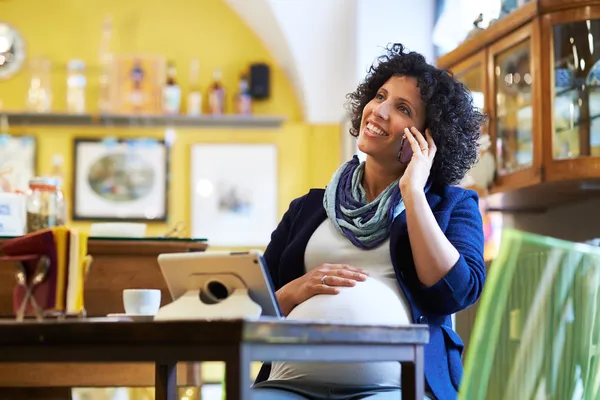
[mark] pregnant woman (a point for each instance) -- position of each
(390, 240)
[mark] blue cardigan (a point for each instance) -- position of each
(456, 211)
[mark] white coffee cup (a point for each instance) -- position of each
(141, 301)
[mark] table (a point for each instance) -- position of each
(236, 342)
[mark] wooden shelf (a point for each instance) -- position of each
(144, 121)
(544, 196)
(491, 34)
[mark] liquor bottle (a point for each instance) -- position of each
(137, 98)
(216, 95)
(171, 92)
(243, 99)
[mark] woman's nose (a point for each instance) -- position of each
(381, 110)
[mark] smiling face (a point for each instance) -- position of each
(397, 105)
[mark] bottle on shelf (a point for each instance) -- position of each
(105, 61)
(216, 95)
(39, 93)
(171, 92)
(194, 99)
(137, 98)
(57, 168)
(243, 99)
(76, 83)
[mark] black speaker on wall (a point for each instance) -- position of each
(259, 81)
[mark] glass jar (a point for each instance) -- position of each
(45, 204)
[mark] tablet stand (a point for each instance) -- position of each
(217, 297)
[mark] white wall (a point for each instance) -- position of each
(321, 36)
(325, 46)
(381, 22)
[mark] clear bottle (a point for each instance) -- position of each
(39, 93)
(194, 99)
(45, 204)
(76, 84)
(105, 59)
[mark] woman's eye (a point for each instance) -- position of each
(404, 109)
(379, 96)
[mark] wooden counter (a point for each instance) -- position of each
(118, 264)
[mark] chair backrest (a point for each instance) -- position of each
(537, 330)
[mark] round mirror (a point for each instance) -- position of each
(12, 51)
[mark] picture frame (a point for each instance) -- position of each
(120, 180)
(234, 196)
(18, 157)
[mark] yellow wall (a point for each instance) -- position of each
(180, 30)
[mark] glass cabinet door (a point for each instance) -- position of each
(474, 79)
(472, 73)
(513, 108)
(577, 90)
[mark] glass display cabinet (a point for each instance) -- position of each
(572, 39)
(541, 66)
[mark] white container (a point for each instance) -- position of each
(12, 214)
(118, 229)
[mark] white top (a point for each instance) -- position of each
(378, 300)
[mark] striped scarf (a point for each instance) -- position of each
(366, 225)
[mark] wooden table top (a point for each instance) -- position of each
(138, 246)
(107, 332)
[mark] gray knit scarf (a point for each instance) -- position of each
(366, 225)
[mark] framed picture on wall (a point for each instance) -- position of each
(17, 162)
(120, 179)
(234, 194)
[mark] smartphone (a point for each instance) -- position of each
(405, 154)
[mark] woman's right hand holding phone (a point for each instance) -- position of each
(321, 280)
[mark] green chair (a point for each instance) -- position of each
(537, 330)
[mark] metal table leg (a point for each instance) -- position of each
(165, 381)
(237, 374)
(413, 377)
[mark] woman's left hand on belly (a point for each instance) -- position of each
(321, 280)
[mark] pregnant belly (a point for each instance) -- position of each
(369, 302)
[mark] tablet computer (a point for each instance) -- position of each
(218, 274)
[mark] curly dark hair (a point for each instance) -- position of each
(452, 119)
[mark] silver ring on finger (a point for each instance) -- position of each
(323, 280)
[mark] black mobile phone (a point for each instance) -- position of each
(405, 154)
